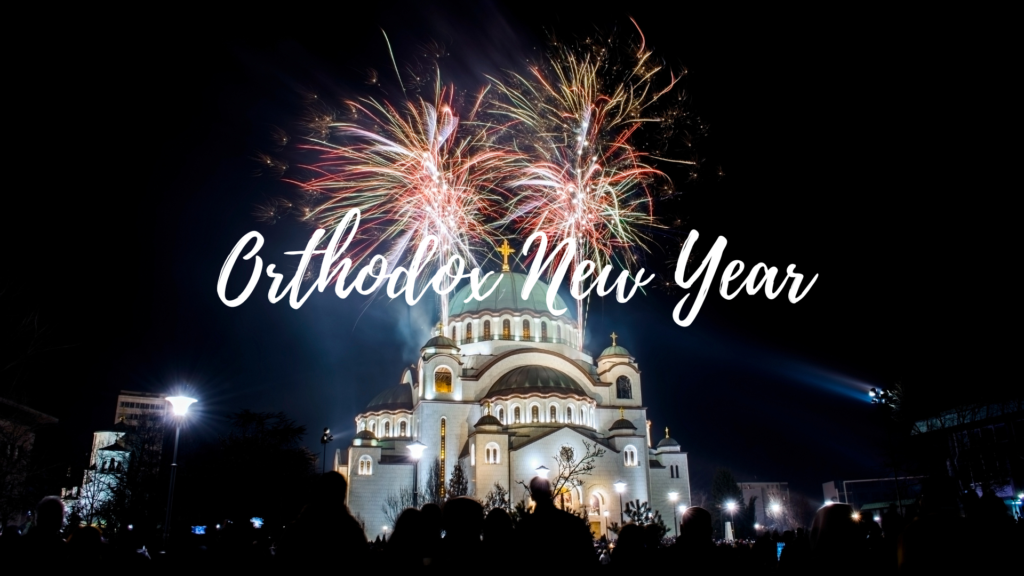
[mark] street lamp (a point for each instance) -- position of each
(672, 497)
(416, 450)
(542, 471)
(620, 487)
(884, 397)
(327, 437)
(775, 507)
(179, 407)
(730, 506)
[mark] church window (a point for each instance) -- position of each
(568, 414)
(595, 503)
(469, 331)
(472, 454)
(387, 429)
(558, 331)
(443, 381)
(506, 329)
(365, 465)
(526, 328)
(554, 414)
(623, 388)
(543, 331)
(501, 415)
(373, 427)
(487, 329)
(402, 429)
(535, 413)
(629, 456)
(455, 336)
(444, 430)
(492, 453)
(516, 416)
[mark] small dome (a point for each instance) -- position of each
(488, 420)
(622, 424)
(395, 398)
(528, 380)
(365, 435)
(440, 342)
(614, 351)
(507, 296)
(668, 443)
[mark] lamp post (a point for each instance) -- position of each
(731, 508)
(179, 407)
(327, 437)
(416, 451)
(620, 487)
(672, 497)
(542, 471)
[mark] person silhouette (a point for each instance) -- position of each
(325, 529)
(43, 545)
(553, 538)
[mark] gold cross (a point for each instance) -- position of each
(488, 408)
(666, 431)
(614, 336)
(505, 250)
(622, 412)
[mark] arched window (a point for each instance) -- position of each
(455, 336)
(469, 331)
(492, 453)
(543, 331)
(535, 413)
(558, 331)
(501, 414)
(623, 388)
(516, 416)
(568, 413)
(443, 381)
(472, 454)
(402, 429)
(554, 414)
(373, 427)
(595, 504)
(526, 328)
(444, 452)
(629, 456)
(365, 465)
(506, 329)
(487, 329)
(387, 429)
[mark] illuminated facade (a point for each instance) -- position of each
(499, 390)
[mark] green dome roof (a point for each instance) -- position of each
(535, 380)
(615, 351)
(396, 398)
(440, 342)
(507, 296)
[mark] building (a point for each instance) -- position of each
(137, 425)
(500, 389)
(19, 426)
(772, 507)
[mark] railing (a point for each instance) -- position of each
(516, 338)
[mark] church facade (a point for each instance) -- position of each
(499, 390)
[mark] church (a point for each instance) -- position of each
(500, 389)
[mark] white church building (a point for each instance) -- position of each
(501, 389)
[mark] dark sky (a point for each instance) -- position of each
(857, 146)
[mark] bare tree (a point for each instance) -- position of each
(395, 503)
(497, 497)
(18, 428)
(572, 471)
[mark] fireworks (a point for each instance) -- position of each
(554, 150)
(412, 174)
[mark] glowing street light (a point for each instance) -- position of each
(179, 407)
(672, 497)
(542, 471)
(855, 516)
(620, 487)
(416, 451)
(327, 437)
(775, 507)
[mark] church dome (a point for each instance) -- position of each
(366, 435)
(622, 424)
(487, 420)
(392, 399)
(506, 297)
(667, 442)
(614, 351)
(440, 342)
(530, 380)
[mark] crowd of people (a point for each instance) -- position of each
(460, 535)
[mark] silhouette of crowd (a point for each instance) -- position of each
(934, 537)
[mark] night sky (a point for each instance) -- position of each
(857, 146)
